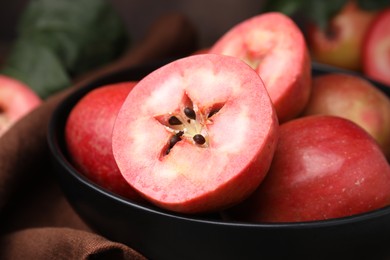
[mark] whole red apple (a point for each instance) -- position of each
(324, 167)
(16, 100)
(376, 50)
(355, 98)
(274, 46)
(88, 133)
(197, 135)
(340, 44)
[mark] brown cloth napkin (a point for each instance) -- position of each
(36, 221)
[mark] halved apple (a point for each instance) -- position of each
(197, 135)
(273, 45)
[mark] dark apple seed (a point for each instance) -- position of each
(199, 139)
(174, 121)
(174, 139)
(190, 113)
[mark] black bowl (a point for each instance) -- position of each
(158, 234)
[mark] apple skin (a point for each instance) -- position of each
(324, 167)
(376, 49)
(273, 45)
(354, 98)
(341, 44)
(16, 100)
(191, 178)
(88, 133)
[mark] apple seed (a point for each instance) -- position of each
(190, 113)
(173, 120)
(189, 123)
(199, 139)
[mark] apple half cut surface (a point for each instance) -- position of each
(196, 135)
(376, 49)
(274, 46)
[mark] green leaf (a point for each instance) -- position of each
(38, 67)
(317, 11)
(373, 5)
(288, 7)
(320, 12)
(73, 36)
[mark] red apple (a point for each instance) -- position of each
(340, 44)
(324, 167)
(354, 98)
(273, 45)
(88, 133)
(16, 100)
(197, 135)
(376, 51)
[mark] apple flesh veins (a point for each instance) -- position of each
(354, 98)
(340, 44)
(324, 167)
(197, 135)
(376, 51)
(273, 45)
(88, 133)
(16, 100)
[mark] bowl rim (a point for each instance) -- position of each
(56, 150)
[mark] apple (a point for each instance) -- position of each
(16, 100)
(274, 46)
(196, 135)
(324, 167)
(355, 98)
(340, 44)
(376, 57)
(88, 133)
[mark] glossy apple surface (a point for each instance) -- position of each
(354, 98)
(88, 134)
(340, 44)
(16, 100)
(324, 167)
(197, 135)
(376, 52)
(273, 45)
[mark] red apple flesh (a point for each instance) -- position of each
(340, 44)
(88, 134)
(16, 100)
(197, 135)
(376, 52)
(273, 45)
(324, 167)
(354, 98)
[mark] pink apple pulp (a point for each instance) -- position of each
(197, 135)
(273, 45)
